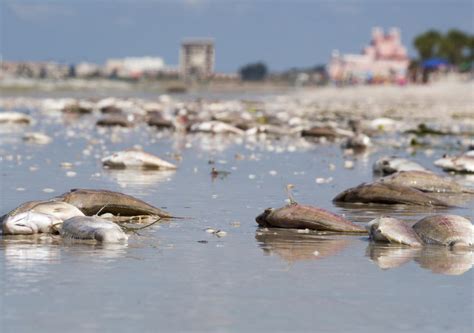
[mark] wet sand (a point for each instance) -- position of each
(177, 277)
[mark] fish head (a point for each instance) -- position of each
(20, 224)
(114, 159)
(262, 218)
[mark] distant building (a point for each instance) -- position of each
(134, 67)
(86, 70)
(197, 58)
(385, 59)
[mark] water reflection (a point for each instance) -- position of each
(138, 179)
(28, 260)
(442, 260)
(438, 259)
(388, 256)
(292, 246)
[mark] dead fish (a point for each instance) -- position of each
(425, 181)
(59, 209)
(14, 118)
(37, 138)
(448, 230)
(390, 164)
(158, 121)
(90, 202)
(110, 109)
(298, 216)
(219, 173)
(459, 163)
(120, 120)
(136, 159)
(216, 127)
(390, 194)
(325, 131)
(78, 108)
(28, 223)
(269, 129)
(94, 228)
(359, 141)
(391, 230)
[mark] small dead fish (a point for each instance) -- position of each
(37, 138)
(390, 164)
(14, 118)
(390, 194)
(448, 230)
(425, 181)
(391, 230)
(94, 228)
(325, 131)
(90, 202)
(357, 142)
(298, 216)
(136, 159)
(28, 223)
(460, 163)
(217, 127)
(219, 173)
(269, 129)
(119, 120)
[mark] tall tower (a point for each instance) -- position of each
(197, 58)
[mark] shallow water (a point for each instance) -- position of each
(177, 277)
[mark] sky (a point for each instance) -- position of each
(281, 33)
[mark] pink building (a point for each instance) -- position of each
(385, 59)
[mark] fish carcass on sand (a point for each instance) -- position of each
(390, 164)
(448, 230)
(391, 230)
(425, 181)
(306, 217)
(136, 159)
(216, 127)
(94, 228)
(90, 202)
(28, 223)
(382, 193)
(460, 163)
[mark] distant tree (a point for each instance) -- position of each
(253, 72)
(471, 48)
(455, 46)
(428, 44)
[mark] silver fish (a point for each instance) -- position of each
(391, 230)
(389, 164)
(448, 230)
(425, 181)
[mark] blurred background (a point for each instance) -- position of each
(185, 43)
